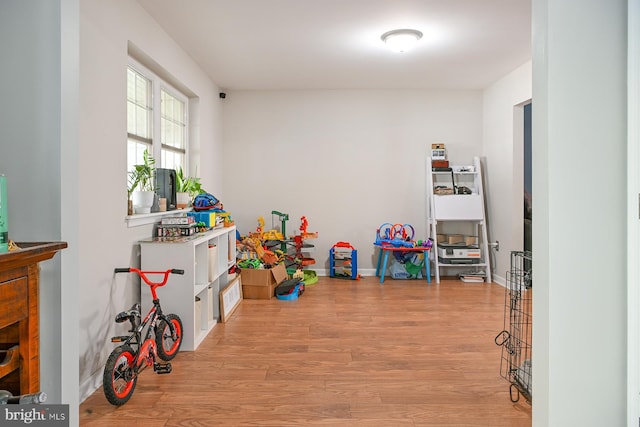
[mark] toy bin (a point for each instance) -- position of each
(343, 261)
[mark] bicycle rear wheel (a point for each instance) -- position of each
(168, 345)
(119, 379)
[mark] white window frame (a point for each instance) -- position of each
(158, 84)
(180, 97)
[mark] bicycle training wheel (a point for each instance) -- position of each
(119, 379)
(168, 346)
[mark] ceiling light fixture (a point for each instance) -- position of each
(401, 40)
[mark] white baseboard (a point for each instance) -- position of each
(500, 280)
(90, 385)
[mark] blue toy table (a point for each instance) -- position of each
(383, 258)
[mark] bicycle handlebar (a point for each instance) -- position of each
(145, 278)
(135, 270)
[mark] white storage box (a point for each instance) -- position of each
(198, 314)
(447, 251)
(213, 262)
(214, 301)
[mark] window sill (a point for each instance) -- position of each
(152, 218)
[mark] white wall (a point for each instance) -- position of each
(105, 242)
(317, 165)
(579, 233)
(633, 214)
(348, 160)
(35, 128)
(67, 369)
(502, 136)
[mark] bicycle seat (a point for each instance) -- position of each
(133, 314)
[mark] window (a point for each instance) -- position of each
(173, 131)
(155, 108)
(139, 120)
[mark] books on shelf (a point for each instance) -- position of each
(178, 220)
(175, 230)
(477, 277)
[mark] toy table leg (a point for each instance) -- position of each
(378, 264)
(384, 265)
(427, 269)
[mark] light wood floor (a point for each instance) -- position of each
(346, 353)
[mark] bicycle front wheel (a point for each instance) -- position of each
(168, 343)
(119, 378)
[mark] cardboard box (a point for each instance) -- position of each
(261, 283)
(470, 240)
(455, 238)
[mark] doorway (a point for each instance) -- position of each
(527, 190)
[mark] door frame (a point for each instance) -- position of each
(633, 214)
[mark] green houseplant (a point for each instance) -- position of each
(142, 184)
(187, 187)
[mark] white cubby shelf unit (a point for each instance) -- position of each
(205, 258)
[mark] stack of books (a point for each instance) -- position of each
(177, 226)
(472, 277)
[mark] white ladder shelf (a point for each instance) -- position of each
(463, 209)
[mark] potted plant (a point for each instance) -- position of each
(141, 184)
(187, 187)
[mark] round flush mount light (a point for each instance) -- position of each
(401, 40)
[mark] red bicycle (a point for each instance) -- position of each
(162, 340)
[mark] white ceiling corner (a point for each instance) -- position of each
(335, 44)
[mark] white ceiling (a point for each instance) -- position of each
(335, 44)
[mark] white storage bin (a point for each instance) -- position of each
(198, 314)
(213, 262)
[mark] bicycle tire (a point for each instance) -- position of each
(167, 346)
(119, 379)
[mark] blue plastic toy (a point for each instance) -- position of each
(290, 289)
(396, 235)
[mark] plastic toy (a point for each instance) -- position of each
(249, 263)
(347, 255)
(291, 248)
(283, 226)
(303, 229)
(290, 289)
(396, 235)
(273, 235)
(260, 227)
(269, 258)
(206, 201)
(310, 277)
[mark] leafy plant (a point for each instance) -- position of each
(188, 184)
(141, 177)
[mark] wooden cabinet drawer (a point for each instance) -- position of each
(14, 297)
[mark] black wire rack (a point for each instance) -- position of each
(515, 338)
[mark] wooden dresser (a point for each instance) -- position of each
(19, 315)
